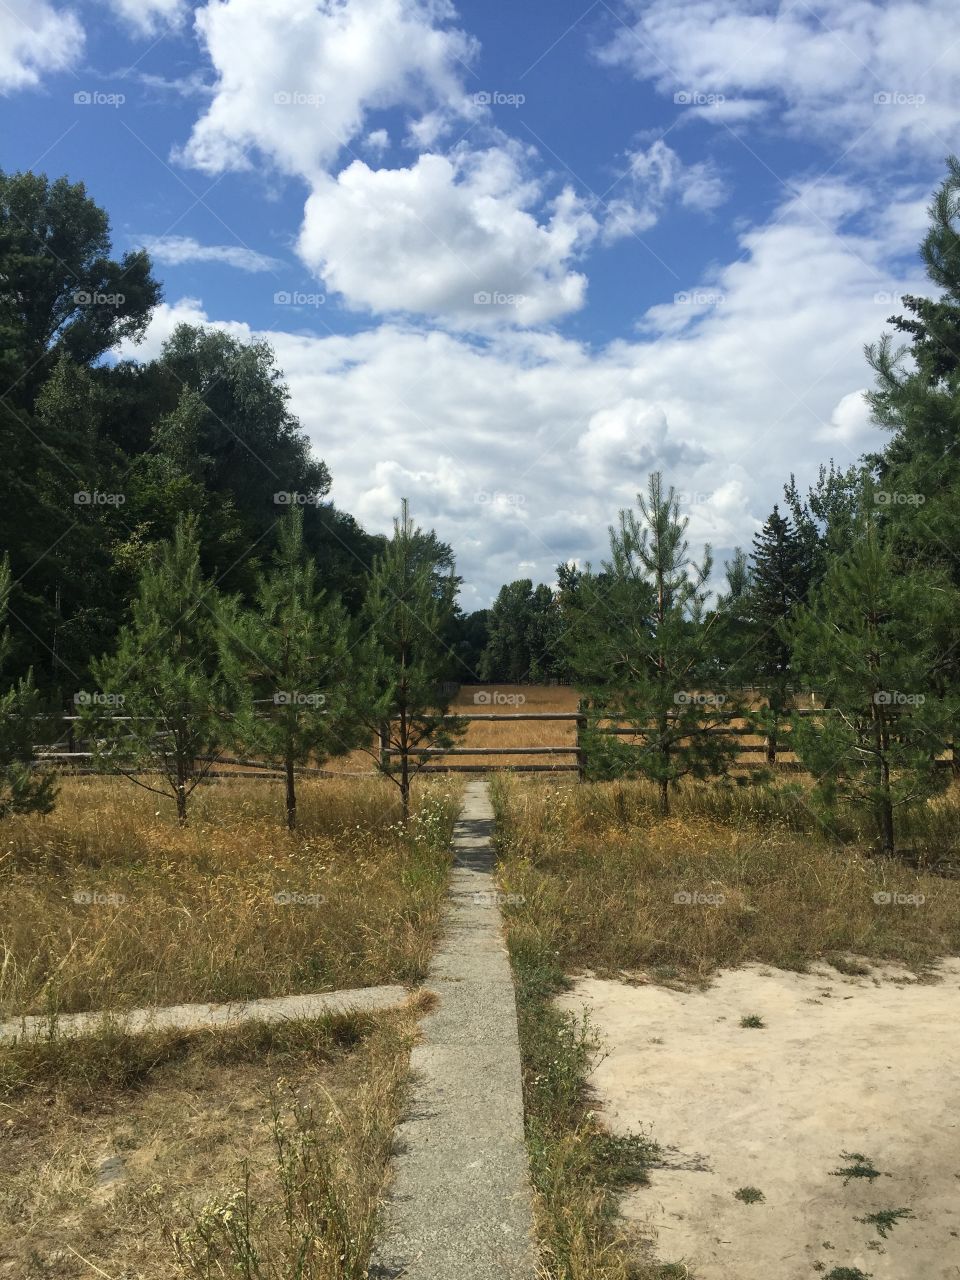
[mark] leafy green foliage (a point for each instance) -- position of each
(23, 788)
(406, 617)
(166, 678)
(291, 655)
(641, 650)
(870, 638)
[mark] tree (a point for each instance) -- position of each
(779, 582)
(23, 788)
(292, 651)
(523, 644)
(60, 290)
(408, 609)
(167, 677)
(641, 649)
(870, 638)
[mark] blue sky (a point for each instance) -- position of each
(512, 257)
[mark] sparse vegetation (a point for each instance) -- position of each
(752, 1020)
(749, 1195)
(885, 1219)
(859, 1166)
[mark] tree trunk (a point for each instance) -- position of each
(291, 795)
(886, 827)
(181, 803)
(404, 768)
(772, 747)
(664, 798)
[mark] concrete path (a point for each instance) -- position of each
(194, 1016)
(460, 1206)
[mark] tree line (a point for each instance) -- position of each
(234, 614)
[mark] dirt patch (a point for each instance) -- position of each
(863, 1065)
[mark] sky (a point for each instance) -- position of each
(514, 256)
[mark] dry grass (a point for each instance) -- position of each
(258, 1152)
(190, 915)
(527, 733)
(599, 876)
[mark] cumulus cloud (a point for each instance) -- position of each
(320, 68)
(521, 447)
(449, 236)
(35, 38)
(175, 251)
(148, 17)
(889, 69)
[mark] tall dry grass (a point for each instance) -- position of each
(106, 903)
(608, 886)
(257, 1151)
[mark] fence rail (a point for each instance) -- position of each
(775, 750)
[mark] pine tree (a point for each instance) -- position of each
(870, 638)
(292, 655)
(407, 612)
(780, 576)
(167, 678)
(641, 647)
(23, 788)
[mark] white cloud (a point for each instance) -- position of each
(728, 402)
(654, 178)
(378, 140)
(297, 79)
(174, 251)
(148, 17)
(436, 236)
(34, 38)
(834, 69)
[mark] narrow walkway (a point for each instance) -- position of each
(195, 1016)
(460, 1206)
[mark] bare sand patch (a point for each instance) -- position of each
(867, 1064)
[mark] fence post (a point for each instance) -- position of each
(581, 756)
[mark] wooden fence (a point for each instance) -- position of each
(773, 753)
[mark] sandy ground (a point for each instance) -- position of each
(866, 1064)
